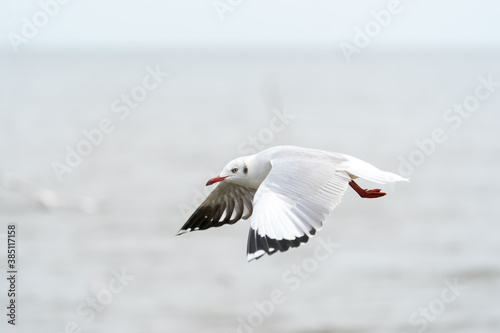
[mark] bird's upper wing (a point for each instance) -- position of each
(228, 203)
(292, 203)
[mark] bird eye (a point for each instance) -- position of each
(234, 170)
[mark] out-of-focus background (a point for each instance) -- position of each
(114, 114)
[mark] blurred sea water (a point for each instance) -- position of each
(392, 259)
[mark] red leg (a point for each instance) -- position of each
(366, 193)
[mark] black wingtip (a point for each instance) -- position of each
(259, 245)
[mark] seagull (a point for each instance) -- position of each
(289, 191)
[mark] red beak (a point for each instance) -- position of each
(215, 180)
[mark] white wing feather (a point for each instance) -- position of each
(292, 203)
(362, 169)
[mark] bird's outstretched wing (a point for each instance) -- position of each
(227, 204)
(292, 203)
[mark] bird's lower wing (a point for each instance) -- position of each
(227, 204)
(292, 204)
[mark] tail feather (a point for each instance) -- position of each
(362, 169)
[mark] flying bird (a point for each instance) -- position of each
(289, 191)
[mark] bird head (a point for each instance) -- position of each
(235, 171)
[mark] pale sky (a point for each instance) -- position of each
(141, 24)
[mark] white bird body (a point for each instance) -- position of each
(289, 190)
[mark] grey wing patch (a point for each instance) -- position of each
(227, 204)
